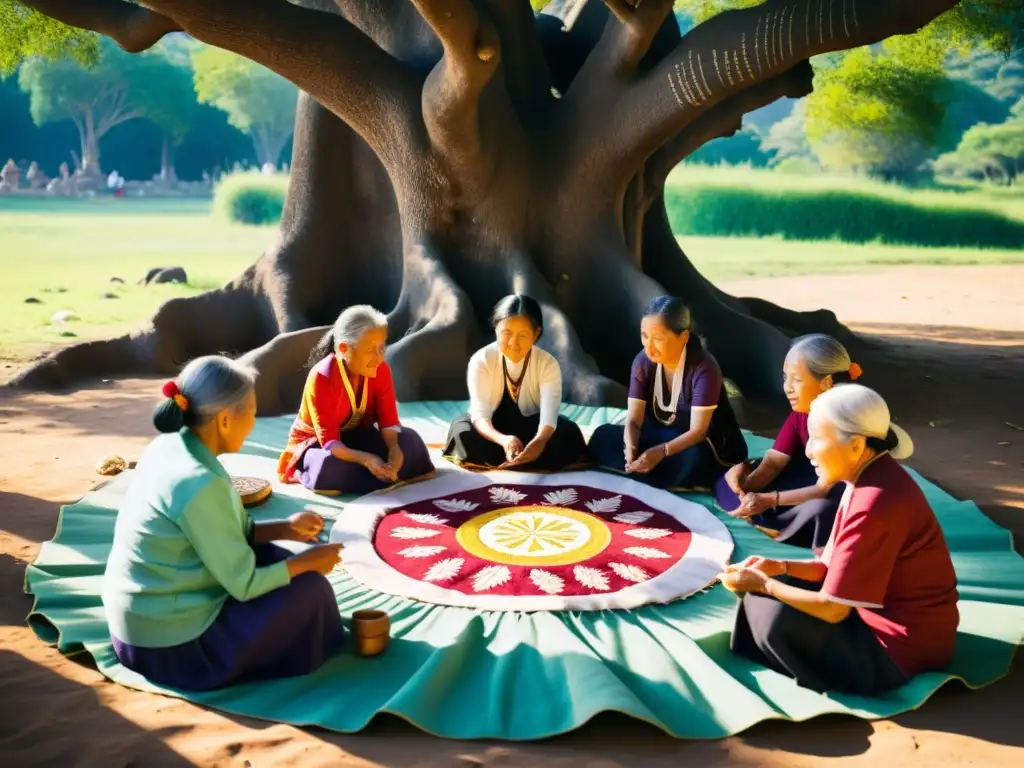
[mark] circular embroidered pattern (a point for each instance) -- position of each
(504, 541)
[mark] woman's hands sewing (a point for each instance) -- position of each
(752, 574)
(647, 461)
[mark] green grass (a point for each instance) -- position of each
(64, 253)
(743, 202)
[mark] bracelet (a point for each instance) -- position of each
(665, 447)
(776, 500)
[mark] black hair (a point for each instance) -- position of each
(882, 445)
(675, 315)
(519, 305)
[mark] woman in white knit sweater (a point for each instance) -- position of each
(515, 391)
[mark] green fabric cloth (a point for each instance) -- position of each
(180, 547)
(463, 673)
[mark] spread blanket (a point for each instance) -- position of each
(461, 669)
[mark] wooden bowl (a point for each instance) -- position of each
(372, 631)
(253, 490)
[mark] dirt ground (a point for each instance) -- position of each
(946, 348)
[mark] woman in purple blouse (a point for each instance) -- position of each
(680, 430)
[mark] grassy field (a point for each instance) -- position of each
(65, 252)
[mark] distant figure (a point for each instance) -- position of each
(515, 391)
(347, 437)
(268, 169)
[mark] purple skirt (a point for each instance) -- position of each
(288, 632)
(320, 470)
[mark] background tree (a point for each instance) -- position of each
(97, 97)
(992, 152)
(171, 104)
(448, 152)
(256, 100)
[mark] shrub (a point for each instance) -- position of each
(250, 197)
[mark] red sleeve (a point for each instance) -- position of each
(788, 442)
(864, 551)
(321, 403)
(386, 405)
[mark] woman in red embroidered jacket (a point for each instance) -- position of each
(347, 437)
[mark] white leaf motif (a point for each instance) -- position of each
(407, 532)
(456, 505)
(443, 570)
(646, 553)
(426, 519)
(491, 576)
(649, 533)
(633, 517)
(506, 496)
(611, 504)
(416, 552)
(547, 581)
(630, 572)
(590, 577)
(561, 497)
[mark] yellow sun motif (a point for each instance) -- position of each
(534, 535)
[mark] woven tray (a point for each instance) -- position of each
(253, 490)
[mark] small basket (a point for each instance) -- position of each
(253, 490)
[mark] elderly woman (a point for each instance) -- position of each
(781, 492)
(195, 594)
(515, 391)
(680, 429)
(347, 437)
(879, 605)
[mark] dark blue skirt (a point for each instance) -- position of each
(805, 525)
(695, 468)
(288, 632)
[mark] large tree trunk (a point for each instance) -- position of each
(469, 179)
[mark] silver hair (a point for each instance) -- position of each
(212, 384)
(853, 409)
(355, 321)
(824, 355)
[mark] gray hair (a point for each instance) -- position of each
(209, 385)
(824, 356)
(355, 321)
(854, 409)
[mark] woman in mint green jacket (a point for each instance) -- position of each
(196, 595)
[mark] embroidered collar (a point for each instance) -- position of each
(357, 410)
(672, 406)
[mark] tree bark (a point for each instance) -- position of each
(434, 171)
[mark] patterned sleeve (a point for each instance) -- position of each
(638, 378)
(387, 404)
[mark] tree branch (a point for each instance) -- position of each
(320, 52)
(527, 77)
(130, 26)
(638, 24)
(737, 50)
(721, 121)
(451, 94)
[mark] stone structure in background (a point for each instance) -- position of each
(85, 183)
(10, 178)
(36, 178)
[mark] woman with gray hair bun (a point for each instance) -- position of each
(196, 596)
(779, 493)
(347, 437)
(879, 605)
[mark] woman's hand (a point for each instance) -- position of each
(648, 460)
(319, 559)
(629, 453)
(734, 477)
(770, 568)
(513, 447)
(531, 452)
(378, 468)
(754, 504)
(395, 459)
(744, 580)
(305, 525)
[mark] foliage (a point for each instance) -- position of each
(742, 149)
(24, 33)
(989, 152)
(250, 198)
(787, 139)
(747, 203)
(256, 100)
